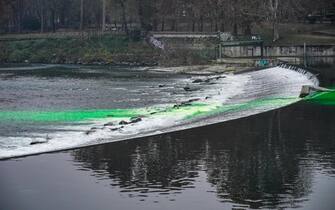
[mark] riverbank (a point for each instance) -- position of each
(115, 49)
(118, 49)
(106, 49)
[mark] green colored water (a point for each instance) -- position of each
(67, 116)
(264, 103)
(196, 109)
(322, 98)
(85, 115)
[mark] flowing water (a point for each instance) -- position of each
(62, 107)
(280, 158)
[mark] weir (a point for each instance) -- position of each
(225, 98)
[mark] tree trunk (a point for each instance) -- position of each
(222, 28)
(274, 6)
(42, 17)
(247, 30)
(173, 25)
(103, 15)
(275, 31)
(155, 25)
(201, 29)
(53, 21)
(163, 24)
(81, 15)
(144, 21)
(235, 30)
(193, 25)
(42, 21)
(62, 16)
(19, 16)
(124, 17)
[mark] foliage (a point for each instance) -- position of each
(237, 16)
(106, 49)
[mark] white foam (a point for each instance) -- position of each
(273, 82)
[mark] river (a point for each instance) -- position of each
(246, 153)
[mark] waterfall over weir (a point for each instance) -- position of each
(189, 103)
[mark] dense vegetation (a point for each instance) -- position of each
(237, 16)
(115, 27)
(106, 49)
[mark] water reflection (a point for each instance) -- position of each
(263, 161)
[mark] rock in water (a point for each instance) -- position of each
(136, 120)
(197, 81)
(123, 122)
(193, 100)
(109, 124)
(187, 88)
(38, 142)
(220, 77)
(92, 130)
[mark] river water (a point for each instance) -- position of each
(282, 158)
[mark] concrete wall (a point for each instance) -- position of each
(211, 44)
(189, 43)
(278, 51)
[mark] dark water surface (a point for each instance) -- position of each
(57, 87)
(278, 159)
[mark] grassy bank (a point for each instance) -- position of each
(106, 49)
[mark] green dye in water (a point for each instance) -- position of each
(322, 98)
(196, 109)
(259, 103)
(67, 116)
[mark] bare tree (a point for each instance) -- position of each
(81, 15)
(103, 15)
(273, 6)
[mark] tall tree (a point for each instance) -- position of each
(81, 15)
(103, 25)
(123, 4)
(273, 6)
